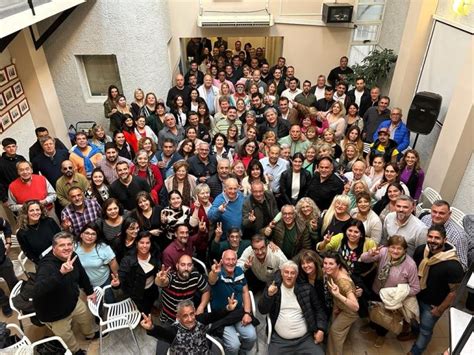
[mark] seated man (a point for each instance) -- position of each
(56, 293)
(183, 244)
(234, 241)
(384, 146)
(188, 334)
(85, 156)
(295, 140)
(229, 281)
(397, 129)
(180, 286)
(260, 261)
(296, 313)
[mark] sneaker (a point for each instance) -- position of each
(379, 342)
(406, 336)
(7, 311)
(80, 352)
(366, 329)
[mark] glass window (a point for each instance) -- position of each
(101, 72)
(365, 32)
(358, 53)
(367, 13)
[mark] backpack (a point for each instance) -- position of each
(24, 300)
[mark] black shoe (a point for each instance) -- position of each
(97, 336)
(80, 352)
(7, 311)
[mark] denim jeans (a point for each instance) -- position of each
(237, 337)
(427, 324)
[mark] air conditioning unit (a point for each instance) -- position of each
(263, 19)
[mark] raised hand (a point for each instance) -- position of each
(313, 224)
(68, 266)
(162, 276)
(219, 231)
(375, 251)
(66, 223)
(328, 237)
(333, 288)
(223, 207)
(202, 225)
(272, 289)
(269, 229)
(231, 303)
(147, 322)
(197, 204)
(252, 217)
(115, 280)
(248, 262)
(216, 267)
(273, 247)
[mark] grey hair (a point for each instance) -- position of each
(62, 235)
(289, 264)
(184, 304)
(406, 198)
(270, 109)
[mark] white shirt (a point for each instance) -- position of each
(290, 323)
(319, 92)
(365, 178)
(358, 96)
(291, 95)
(263, 270)
(413, 230)
(295, 185)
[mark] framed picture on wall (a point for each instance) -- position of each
(11, 72)
(3, 77)
(24, 107)
(8, 95)
(3, 104)
(5, 120)
(18, 89)
(15, 113)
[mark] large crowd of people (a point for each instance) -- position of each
(260, 175)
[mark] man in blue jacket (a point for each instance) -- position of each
(398, 130)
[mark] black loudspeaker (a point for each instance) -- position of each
(424, 111)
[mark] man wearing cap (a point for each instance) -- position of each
(110, 162)
(8, 162)
(383, 146)
(397, 129)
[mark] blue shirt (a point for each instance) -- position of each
(225, 286)
(275, 171)
(96, 263)
(232, 216)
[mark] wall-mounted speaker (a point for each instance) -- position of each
(424, 111)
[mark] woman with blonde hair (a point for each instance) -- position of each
(121, 110)
(238, 170)
(138, 102)
(148, 145)
(329, 136)
(336, 121)
(336, 217)
(99, 138)
(349, 156)
(269, 139)
(181, 181)
(306, 210)
(224, 91)
(310, 159)
(199, 208)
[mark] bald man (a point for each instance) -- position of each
(178, 89)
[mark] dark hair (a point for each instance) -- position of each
(127, 222)
(138, 211)
(360, 226)
(395, 167)
(256, 163)
(95, 227)
(440, 203)
(298, 155)
(397, 240)
(109, 202)
(384, 201)
(110, 145)
(309, 255)
(213, 143)
(363, 194)
(357, 107)
(174, 192)
(243, 153)
(144, 234)
(181, 150)
(438, 228)
(337, 257)
(325, 158)
(40, 129)
(109, 92)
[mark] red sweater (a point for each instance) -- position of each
(36, 189)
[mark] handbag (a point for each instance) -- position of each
(388, 319)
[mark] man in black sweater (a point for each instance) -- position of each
(127, 186)
(8, 162)
(178, 89)
(56, 293)
(36, 149)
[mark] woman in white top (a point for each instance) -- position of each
(142, 130)
(363, 212)
(193, 100)
(335, 117)
(254, 172)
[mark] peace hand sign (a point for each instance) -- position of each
(252, 217)
(231, 303)
(147, 322)
(216, 267)
(202, 225)
(162, 276)
(272, 289)
(248, 262)
(375, 251)
(67, 267)
(333, 288)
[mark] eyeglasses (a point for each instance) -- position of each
(68, 168)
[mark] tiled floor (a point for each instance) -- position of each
(121, 342)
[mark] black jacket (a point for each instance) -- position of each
(8, 173)
(126, 194)
(286, 180)
(282, 128)
(323, 193)
(264, 213)
(365, 101)
(215, 185)
(311, 306)
(7, 232)
(133, 278)
(36, 148)
(56, 294)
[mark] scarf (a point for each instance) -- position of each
(423, 268)
(88, 165)
(385, 270)
(186, 193)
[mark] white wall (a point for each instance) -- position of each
(23, 130)
(464, 197)
(136, 32)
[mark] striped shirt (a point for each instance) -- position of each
(180, 290)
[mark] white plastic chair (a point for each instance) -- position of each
(431, 195)
(120, 315)
(201, 265)
(16, 290)
(269, 329)
(24, 346)
(457, 216)
(214, 342)
(22, 260)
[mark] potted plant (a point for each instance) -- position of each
(375, 67)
